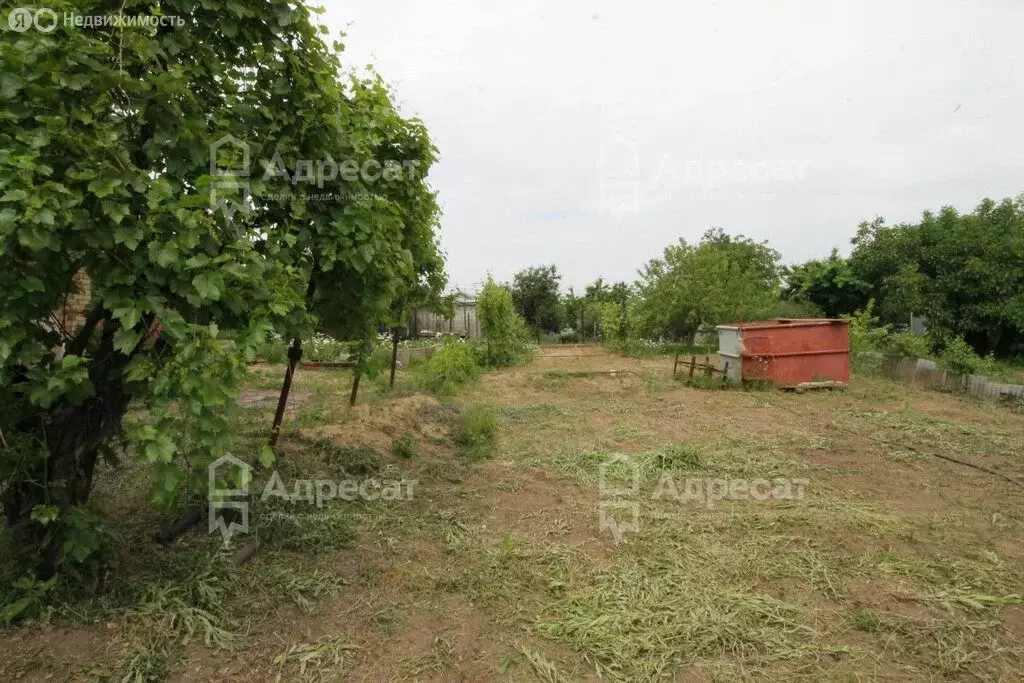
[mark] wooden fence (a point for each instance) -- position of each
(925, 373)
(707, 368)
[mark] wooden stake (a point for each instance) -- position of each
(294, 355)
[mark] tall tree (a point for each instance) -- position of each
(722, 278)
(828, 283)
(963, 272)
(536, 297)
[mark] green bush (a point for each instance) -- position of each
(476, 431)
(569, 336)
(908, 345)
(866, 334)
(273, 351)
(452, 367)
(405, 446)
(507, 340)
(958, 356)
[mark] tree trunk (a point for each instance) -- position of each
(72, 436)
(394, 355)
(355, 386)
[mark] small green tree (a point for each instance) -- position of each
(720, 279)
(506, 338)
(830, 284)
(536, 298)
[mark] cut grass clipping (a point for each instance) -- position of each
(673, 601)
(321, 661)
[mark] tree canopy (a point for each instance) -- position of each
(119, 150)
(721, 278)
(963, 272)
(535, 293)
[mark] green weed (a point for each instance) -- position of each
(475, 431)
(405, 446)
(448, 370)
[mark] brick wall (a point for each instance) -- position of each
(71, 315)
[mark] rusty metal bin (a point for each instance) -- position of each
(786, 351)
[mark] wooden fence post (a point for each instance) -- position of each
(693, 364)
(675, 364)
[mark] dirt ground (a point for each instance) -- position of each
(763, 535)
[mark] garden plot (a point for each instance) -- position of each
(888, 564)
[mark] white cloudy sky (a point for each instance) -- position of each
(785, 121)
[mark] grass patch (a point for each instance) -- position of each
(513, 571)
(529, 412)
(542, 668)
(680, 456)
(475, 431)
(866, 621)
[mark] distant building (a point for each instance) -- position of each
(463, 323)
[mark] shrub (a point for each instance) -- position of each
(506, 338)
(405, 446)
(273, 351)
(323, 348)
(907, 344)
(568, 336)
(869, 338)
(476, 431)
(866, 334)
(452, 367)
(958, 356)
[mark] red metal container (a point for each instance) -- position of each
(786, 351)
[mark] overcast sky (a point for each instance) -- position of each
(593, 134)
